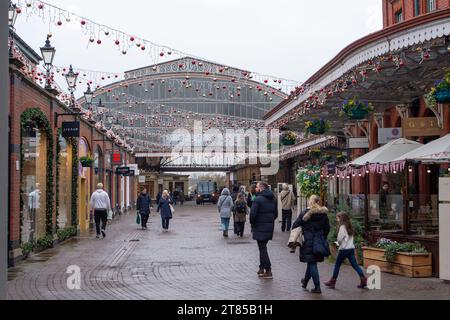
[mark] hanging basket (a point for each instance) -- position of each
(443, 96)
(86, 162)
(357, 114)
(317, 127)
(288, 139)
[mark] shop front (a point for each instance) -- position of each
(84, 185)
(64, 190)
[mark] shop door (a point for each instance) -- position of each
(83, 208)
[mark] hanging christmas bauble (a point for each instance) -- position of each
(83, 22)
(99, 41)
(59, 23)
(117, 42)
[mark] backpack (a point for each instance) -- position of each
(241, 208)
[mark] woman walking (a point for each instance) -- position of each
(288, 203)
(225, 206)
(346, 251)
(240, 215)
(165, 208)
(143, 205)
(316, 227)
(251, 196)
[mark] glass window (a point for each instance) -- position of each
(417, 7)
(34, 184)
(431, 5)
(65, 184)
(399, 16)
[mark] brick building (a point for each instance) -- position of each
(49, 188)
(396, 11)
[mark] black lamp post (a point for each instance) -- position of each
(48, 54)
(89, 95)
(12, 17)
(71, 78)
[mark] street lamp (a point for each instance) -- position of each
(48, 54)
(89, 95)
(71, 78)
(12, 15)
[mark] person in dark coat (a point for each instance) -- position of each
(164, 207)
(251, 196)
(143, 205)
(263, 214)
(314, 222)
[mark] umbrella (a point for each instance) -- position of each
(437, 151)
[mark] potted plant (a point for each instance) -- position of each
(405, 259)
(341, 158)
(288, 138)
(440, 93)
(318, 126)
(87, 162)
(308, 179)
(356, 109)
(315, 153)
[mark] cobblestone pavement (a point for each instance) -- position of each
(192, 262)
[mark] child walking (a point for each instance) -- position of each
(346, 251)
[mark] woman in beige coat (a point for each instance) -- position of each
(288, 203)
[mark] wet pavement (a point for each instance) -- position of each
(191, 262)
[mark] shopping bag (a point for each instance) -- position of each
(110, 214)
(138, 219)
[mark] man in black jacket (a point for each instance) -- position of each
(263, 214)
(143, 205)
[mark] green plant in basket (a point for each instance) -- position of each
(309, 181)
(440, 93)
(289, 138)
(318, 126)
(393, 248)
(356, 109)
(87, 161)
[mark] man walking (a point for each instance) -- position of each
(288, 203)
(263, 214)
(100, 204)
(144, 203)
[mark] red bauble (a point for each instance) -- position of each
(161, 54)
(143, 48)
(41, 6)
(59, 23)
(19, 10)
(180, 66)
(117, 42)
(83, 22)
(99, 41)
(266, 81)
(132, 39)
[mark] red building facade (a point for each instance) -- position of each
(396, 11)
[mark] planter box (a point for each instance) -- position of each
(413, 265)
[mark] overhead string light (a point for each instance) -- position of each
(98, 34)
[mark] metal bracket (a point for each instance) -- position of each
(379, 120)
(403, 110)
(438, 111)
(364, 125)
(347, 130)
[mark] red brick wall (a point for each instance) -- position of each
(391, 6)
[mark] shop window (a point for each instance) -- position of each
(65, 184)
(34, 185)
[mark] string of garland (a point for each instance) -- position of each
(58, 166)
(43, 123)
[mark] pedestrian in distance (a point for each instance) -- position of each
(100, 204)
(288, 203)
(165, 208)
(263, 214)
(251, 195)
(144, 205)
(225, 206)
(316, 227)
(241, 211)
(346, 244)
(234, 196)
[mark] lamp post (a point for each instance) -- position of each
(89, 95)
(12, 17)
(48, 54)
(71, 78)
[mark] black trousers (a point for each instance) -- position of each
(100, 216)
(144, 220)
(264, 255)
(240, 228)
(287, 221)
(165, 224)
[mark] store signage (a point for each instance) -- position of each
(421, 127)
(386, 135)
(116, 159)
(70, 129)
(358, 143)
(124, 171)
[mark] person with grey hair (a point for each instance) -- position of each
(100, 204)
(225, 206)
(287, 203)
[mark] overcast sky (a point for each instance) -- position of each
(287, 38)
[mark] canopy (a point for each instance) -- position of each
(437, 151)
(387, 153)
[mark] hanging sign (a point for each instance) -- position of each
(124, 171)
(116, 159)
(70, 129)
(421, 127)
(358, 143)
(386, 135)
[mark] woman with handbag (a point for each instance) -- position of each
(225, 206)
(165, 207)
(316, 227)
(143, 205)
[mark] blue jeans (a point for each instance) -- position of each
(225, 223)
(312, 272)
(350, 255)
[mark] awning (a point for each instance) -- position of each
(305, 146)
(437, 151)
(381, 160)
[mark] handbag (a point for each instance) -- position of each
(172, 209)
(321, 246)
(138, 218)
(110, 214)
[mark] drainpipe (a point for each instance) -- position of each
(4, 157)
